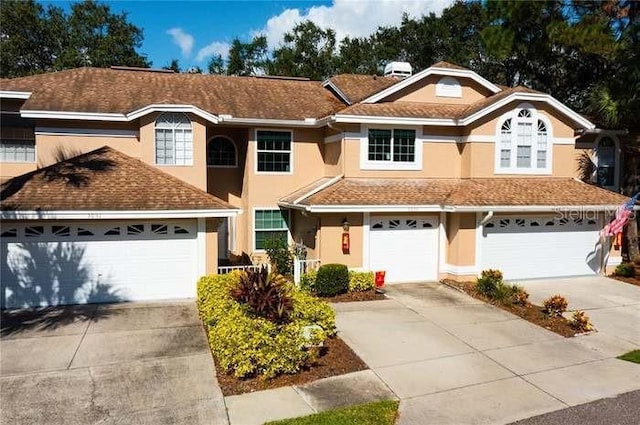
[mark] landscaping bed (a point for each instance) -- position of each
(336, 359)
(627, 273)
(629, 280)
(369, 295)
(529, 312)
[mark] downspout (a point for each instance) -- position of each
(486, 218)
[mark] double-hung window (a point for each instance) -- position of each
(269, 224)
(17, 145)
(174, 139)
(391, 148)
(523, 144)
(274, 151)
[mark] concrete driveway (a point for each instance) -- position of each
(108, 364)
(451, 359)
(612, 306)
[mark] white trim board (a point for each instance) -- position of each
(460, 270)
(90, 132)
(12, 94)
(114, 214)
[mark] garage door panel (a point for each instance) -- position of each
(405, 248)
(564, 248)
(98, 268)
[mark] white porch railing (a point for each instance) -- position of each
(250, 267)
(300, 267)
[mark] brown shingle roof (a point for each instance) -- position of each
(358, 87)
(107, 180)
(406, 109)
(473, 192)
(428, 110)
(122, 91)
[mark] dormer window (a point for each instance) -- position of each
(448, 87)
(523, 143)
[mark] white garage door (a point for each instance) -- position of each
(84, 262)
(536, 247)
(406, 248)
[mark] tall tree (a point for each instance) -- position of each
(307, 51)
(216, 65)
(174, 66)
(250, 58)
(34, 40)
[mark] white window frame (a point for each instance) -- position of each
(533, 168)
(187, 163)
(235, 147)
(11, 141)
(256, 151)
(254, 230)
(448, 87)
(366, 164)
(616, 167)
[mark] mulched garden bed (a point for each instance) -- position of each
(629, 280)
(531, 312)
(370, 295)
(336, 359)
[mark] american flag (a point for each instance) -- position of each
(623, 213)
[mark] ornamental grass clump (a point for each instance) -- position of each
(266, 295)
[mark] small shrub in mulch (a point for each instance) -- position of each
(336, 358)
(529, 312)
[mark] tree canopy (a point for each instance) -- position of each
(34, 39)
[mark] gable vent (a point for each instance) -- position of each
(398, 69)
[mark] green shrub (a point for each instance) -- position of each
(555, 306)
(625, 270)
(280, 257)
(266, 295)
(308, 281)
(332, 280)
(488, 281)
(361, 281)
(248, 345)
(503, 293)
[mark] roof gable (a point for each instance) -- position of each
(440, 68)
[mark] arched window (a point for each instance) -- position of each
(524, 143)
(606, 163)
(174, 139)
(221, 152)
(448, 87)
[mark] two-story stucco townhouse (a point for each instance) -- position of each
(128, 184)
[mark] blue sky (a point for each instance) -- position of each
(193, 31)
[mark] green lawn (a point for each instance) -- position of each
(378, 413)
(631, 356)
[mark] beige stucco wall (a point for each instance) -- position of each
(211, 226)
(263, 190)
(439, 160)
(195, 174)
(461, 239)
(305, 231)
(49, 148)
(425, 91)
(331, 239)
(332, 156)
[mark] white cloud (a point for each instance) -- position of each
(183, 40)
(353, 18)
(215, 48)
